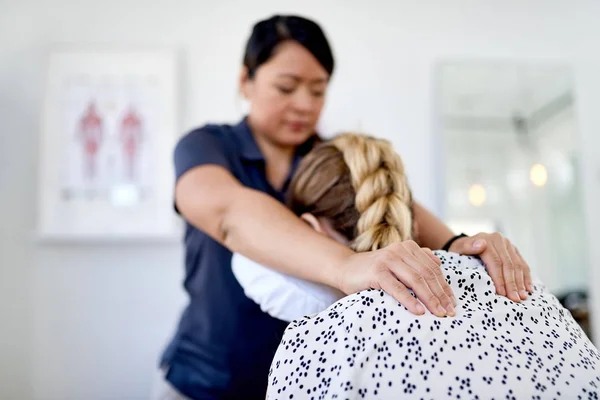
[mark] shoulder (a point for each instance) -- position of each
(207, 134)
(208, 144)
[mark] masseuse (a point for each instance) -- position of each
(231, 181)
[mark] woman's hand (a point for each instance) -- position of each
(509, 272)
(397, 268)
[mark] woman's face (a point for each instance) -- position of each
(286, 95)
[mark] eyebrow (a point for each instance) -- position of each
(297, 78)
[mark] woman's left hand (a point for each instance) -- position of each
(509, 272)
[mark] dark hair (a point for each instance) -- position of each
(269, 33)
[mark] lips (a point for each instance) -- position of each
(298, 126)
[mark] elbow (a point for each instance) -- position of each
(223, 232)
(206, 196)
(229, 218)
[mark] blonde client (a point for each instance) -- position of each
(367, 345)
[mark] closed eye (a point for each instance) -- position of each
(285, 89)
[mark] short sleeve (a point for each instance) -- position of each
(200, 147)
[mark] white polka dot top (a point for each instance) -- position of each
(368, 346)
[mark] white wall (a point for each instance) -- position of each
(87, 322)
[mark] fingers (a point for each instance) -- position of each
(469, 245)
(526, 272)
(391, 285)
(411, 279)
(508, 270)
(433, 257)
(519, 270)
(418, 272)
(445, 286)
(500, 266)
(404, 266)
(493, 263)
(433, 274)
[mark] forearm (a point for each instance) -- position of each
(431, 231)
(264, 230)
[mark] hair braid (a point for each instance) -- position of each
(383, 198)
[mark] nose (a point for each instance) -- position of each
(304, 101)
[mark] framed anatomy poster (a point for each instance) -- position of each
(109, 127)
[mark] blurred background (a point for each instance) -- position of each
(511, 164)
(493, 106)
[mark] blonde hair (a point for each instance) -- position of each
(357, 182)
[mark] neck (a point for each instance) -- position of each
(278, 159)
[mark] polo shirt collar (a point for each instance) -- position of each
(248, 147)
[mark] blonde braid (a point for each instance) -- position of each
(383, 197)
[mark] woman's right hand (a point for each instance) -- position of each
(397, 268)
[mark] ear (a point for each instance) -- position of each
(313, 222)
(245, 82)
(329, 231)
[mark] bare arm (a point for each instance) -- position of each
(259, 227)
(256, 225)
(432, 232)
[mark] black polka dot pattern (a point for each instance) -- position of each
(368, 346)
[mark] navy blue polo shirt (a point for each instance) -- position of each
(224, 343)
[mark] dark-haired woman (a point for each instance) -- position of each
(231, 181)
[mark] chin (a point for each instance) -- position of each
(292, 138)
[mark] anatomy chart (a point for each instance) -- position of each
(109, 128)
(108, 122)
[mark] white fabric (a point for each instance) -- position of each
(369, 346)
(280, 295)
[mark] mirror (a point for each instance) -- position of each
(510, 163)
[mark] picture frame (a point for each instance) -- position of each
(108, 129)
